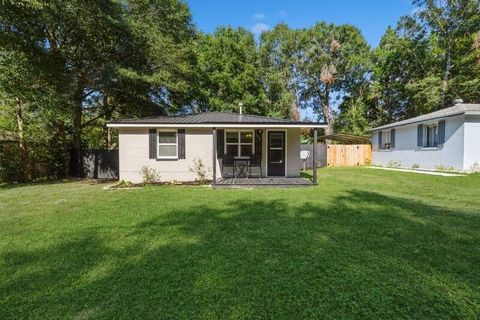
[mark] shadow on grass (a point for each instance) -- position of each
(8, 186)
(368, 255)
(306, 174)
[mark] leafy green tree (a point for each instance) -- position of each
(402, 65)
(279, 54)
(114, 58)
(354, 118)
(467, 82)
(162, 74)
(84, 37)
(25, 93)
(428, 60)
(334, 60)
(229, 73)
(452, 23)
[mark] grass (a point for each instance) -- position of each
(364, 244)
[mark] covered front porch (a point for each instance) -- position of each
(257, 156)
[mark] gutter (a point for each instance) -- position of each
(216, 125)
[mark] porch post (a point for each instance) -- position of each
(314, 160)
(214, 156)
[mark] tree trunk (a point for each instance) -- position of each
(446, 77)
(327, 110)
(77, 163)
(108, 116)
(109, 139)
(64, 143)
(24, 167)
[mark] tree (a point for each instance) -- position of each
(334, 59)
(84, 37)
(229, 73)
(353, 118)
(279, 53)
(163, 71)
(451, 22)
(428, 60)
(26, 93)
(114, 58)
(156, 72)
(402, 64)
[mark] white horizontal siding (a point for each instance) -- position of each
(406, 152)
(134, 154)
(472, 142)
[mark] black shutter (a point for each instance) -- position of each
(441, 132)
(420, 135)
(258, 141)
(392, 138)
(152, 143)
(380, 140)
(181, 143)
(220, 140)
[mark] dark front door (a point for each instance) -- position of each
(276, 153)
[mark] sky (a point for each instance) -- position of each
(371, 16)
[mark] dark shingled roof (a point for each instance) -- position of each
(211, 118)
(457, 109)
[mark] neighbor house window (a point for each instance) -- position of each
(386, 140)
(431, 136)
(239, 143)
(167, 144)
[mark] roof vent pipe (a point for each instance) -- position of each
(241, 107)
(458, 101)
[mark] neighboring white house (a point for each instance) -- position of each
(224, 142)
(448, 138)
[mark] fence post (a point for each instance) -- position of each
(214, 155)
(314, 157)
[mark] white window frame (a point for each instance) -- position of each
(425, 135)
(239, 143)
(384, 141)
(167, 144)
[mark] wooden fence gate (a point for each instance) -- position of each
(342, 155)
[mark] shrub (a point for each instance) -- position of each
(149, 175)
(442, 167)
(475, 167)
(124, 184)
(10, 170)
(415, 166)
(394, 164)
(200, 170)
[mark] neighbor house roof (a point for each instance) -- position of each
(214, 119)
(346, 138)
(458, 109)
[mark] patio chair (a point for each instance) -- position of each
(256, 162)
(227, 162)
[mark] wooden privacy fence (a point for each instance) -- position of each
(342, 155)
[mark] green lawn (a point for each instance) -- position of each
(363, 244)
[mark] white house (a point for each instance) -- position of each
(233, 148)
(448, 138)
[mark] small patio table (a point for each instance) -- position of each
(241, 165)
